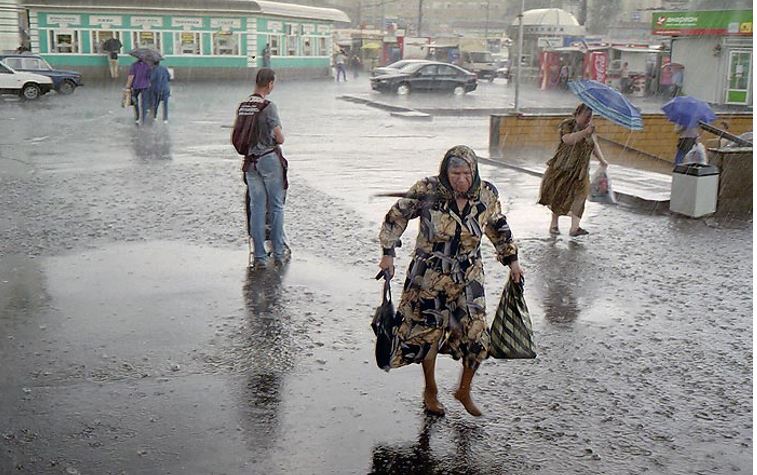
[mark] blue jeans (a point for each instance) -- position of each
(341, 71)
(156, 100)
(266, 187)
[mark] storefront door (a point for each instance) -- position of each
(739, 77)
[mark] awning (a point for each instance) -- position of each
(626, 49)
(197, 7)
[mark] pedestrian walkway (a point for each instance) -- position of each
(629, 184)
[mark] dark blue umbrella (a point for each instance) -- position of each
(148, 55)
(688, 111)
(607, 102)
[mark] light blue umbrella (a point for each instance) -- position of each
(608, 103)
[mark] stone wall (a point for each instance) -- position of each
(735, 199)
(517, 133)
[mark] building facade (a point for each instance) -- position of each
(214, 38)
(716, 50)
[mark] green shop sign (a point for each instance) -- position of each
(721, 23)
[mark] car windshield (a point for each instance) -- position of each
(481, 57)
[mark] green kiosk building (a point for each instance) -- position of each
(209, 38)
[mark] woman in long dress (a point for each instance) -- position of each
(565, 185)
(442, 306)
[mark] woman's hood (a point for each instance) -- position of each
(466, 154)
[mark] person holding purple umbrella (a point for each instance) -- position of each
(139, 84)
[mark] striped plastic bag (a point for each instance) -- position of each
(511, 334)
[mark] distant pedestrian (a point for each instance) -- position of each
(265, 173)
(111, 47)
(442, 309)
(355, 64)
(138, 84)
(687, 138)
(564, 76)
(678, 81)
(267, 56)
(160, 90)
(565, 185)
(625, 79)
(341, 66)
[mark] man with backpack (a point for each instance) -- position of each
(257, 135)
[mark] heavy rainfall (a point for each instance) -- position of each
(584, 164)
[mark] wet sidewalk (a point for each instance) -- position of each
(134, 339)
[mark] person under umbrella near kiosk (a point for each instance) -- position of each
(442, 307)
(138, 83)
(112, 46)
(686, 113)
(565, 185)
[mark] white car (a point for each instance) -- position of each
(27, 85)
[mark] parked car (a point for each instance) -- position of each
(27, 85)
(504, 70)
(427, 76)
(65, 82)
(481, 63)
(396, 66)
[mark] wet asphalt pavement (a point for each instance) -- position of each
(134, 340)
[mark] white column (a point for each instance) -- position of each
(9, 24)
(34, 31)
(253, 54)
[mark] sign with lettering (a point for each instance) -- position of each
(235, 23)
(105, 20)
(308, 29)
(186, 23)
(275, 26)
(697, 23)
(324, 29)
(64, 19)
(147, 21)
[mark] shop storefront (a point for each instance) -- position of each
(226, 35)
(715, 48)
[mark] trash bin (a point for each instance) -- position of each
(694, 191)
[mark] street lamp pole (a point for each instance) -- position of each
(486, 25)
(420, 16)
(520, 55)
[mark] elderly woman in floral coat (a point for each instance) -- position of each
(442, 306)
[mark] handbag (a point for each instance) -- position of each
(511, 334)
(126, 98)
(384, 324)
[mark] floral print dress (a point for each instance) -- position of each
(565, 185)
(443, 301)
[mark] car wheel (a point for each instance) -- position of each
(66, 87)
(403, 89)
(30, 92)
(458, 91)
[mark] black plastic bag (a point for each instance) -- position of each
(384, 325)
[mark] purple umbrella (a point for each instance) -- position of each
(688, 111)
